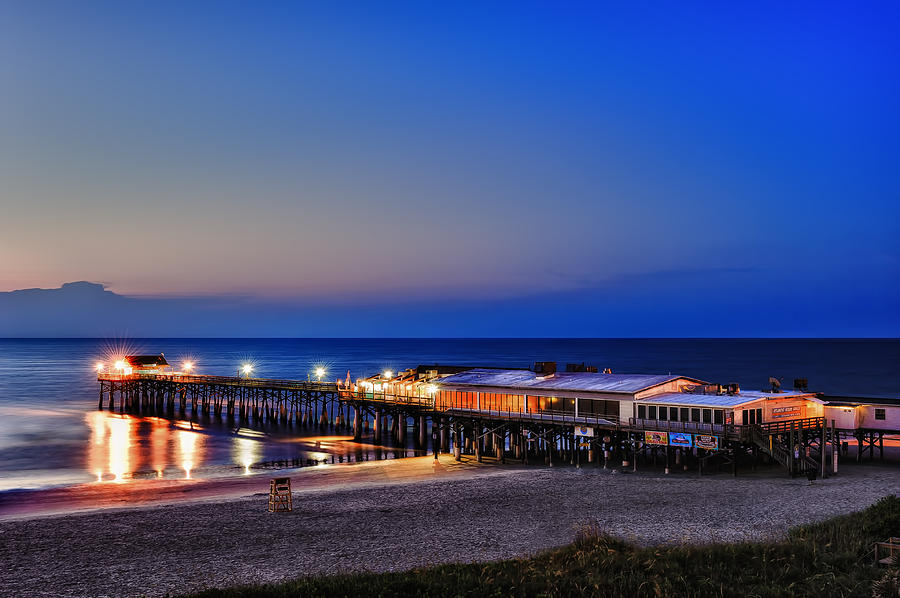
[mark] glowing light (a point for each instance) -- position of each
(99, 366)
(187, 366)
(388, 374)
(187, 451)
(319, 373)
(120, 364)
(247, 368)
(431, 389)
(246, 452)
(119, 447)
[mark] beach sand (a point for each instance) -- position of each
(158, 537)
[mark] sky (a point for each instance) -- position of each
(522, 169)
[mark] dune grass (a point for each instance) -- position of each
(831, 558)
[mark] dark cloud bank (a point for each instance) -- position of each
(640, 307)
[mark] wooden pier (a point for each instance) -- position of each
(544, 436)
(245, 399)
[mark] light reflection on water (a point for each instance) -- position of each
(123, 447)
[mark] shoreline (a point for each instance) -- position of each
(65, 500)
(395, 515)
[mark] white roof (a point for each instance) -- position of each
(571, 381)
(725, 400)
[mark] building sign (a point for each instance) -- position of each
(710, 443)
(783, 412)
(657, 438)
(584, 431)
(680, 439)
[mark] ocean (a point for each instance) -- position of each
(52, 434)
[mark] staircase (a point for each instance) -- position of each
(766, 437)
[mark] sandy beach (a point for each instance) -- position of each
(173, 538)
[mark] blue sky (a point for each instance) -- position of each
(656, 167)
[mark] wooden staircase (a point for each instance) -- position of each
(774, 439)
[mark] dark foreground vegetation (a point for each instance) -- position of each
(832, 558)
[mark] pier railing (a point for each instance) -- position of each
(386, 398)
(268, 383)
(796, 424)
(546, 416)
(730, 430)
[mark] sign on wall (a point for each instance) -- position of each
(710, 443)
(657, 438)
(783, 412)
(584, 431)
(680, 439)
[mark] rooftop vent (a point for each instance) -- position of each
(801, 383)
(544, 368)
(776, 384)
(580, 367)
(733, 388)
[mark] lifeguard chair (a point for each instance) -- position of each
(280, 495)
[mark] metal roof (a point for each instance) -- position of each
(139, 360)
(836, 400)
(726, 400)
(572, 381)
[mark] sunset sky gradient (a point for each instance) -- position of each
(639, 161)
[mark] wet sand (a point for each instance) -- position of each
(381, 516)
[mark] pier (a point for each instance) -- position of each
(241, 398)
(527, 416)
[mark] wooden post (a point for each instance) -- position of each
(823, 442)
(550, 442)
(477, 439)
(835, 447)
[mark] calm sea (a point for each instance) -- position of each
(51, 432)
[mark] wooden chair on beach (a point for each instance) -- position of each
(280, 499)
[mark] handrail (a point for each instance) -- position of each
(226, 380)
(678, 426)
(542, 416)
(786, 426)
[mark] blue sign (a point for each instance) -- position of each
(680, 439)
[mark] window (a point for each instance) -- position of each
(673, 414)
(642, 412)
(684, 414)
(879, 414)
(718, 416)
(663, 413)
(746, 417)
(695, 415)
(651, 412)
(707, 416)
